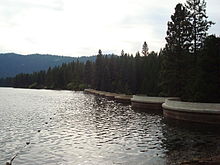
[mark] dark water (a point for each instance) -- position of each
(73, 128)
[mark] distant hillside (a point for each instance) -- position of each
(12, 64)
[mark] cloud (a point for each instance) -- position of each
(81, 27)
(25, 4)
(13, 11)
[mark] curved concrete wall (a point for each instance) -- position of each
(147, 103)
(193, 112)
(177, 105)
(123, 98)
(146, 99)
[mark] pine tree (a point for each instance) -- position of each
(98, 70)
(179, 30)
(199, 23)
(139, 72)
(145, 49)
(88, 73)
(122, 53)
(178, 43)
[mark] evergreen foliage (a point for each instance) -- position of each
(121, 74)
(12, 64)
(200, 24)
(145, 49)
(188, 67)
(207, 84)
(177, 47)
(190, 59)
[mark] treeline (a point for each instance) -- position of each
(188, 67)
(121, 74)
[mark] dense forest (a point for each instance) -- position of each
(122, 74)
(187, 67)
(12, 64)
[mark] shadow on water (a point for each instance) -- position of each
(148, 111)
(184, 141)
(172, 140)
(132, 136)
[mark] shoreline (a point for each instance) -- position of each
(172, 107)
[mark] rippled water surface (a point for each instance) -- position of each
(73, 128)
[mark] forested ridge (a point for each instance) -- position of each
(12, 64)
(187, 67)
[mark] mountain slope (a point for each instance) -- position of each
(12, 64)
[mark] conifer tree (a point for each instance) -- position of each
(145, 49)
(179, 30)
(199, 23)
(98, 70)
(122, 53)
(178, 43)
(88, 73)
(139, 72)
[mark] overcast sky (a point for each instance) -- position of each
(81, 27)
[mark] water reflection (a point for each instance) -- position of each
(184, 141)
(78, 128)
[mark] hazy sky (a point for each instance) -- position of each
(81, 27)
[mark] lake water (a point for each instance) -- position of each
(73, 128)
